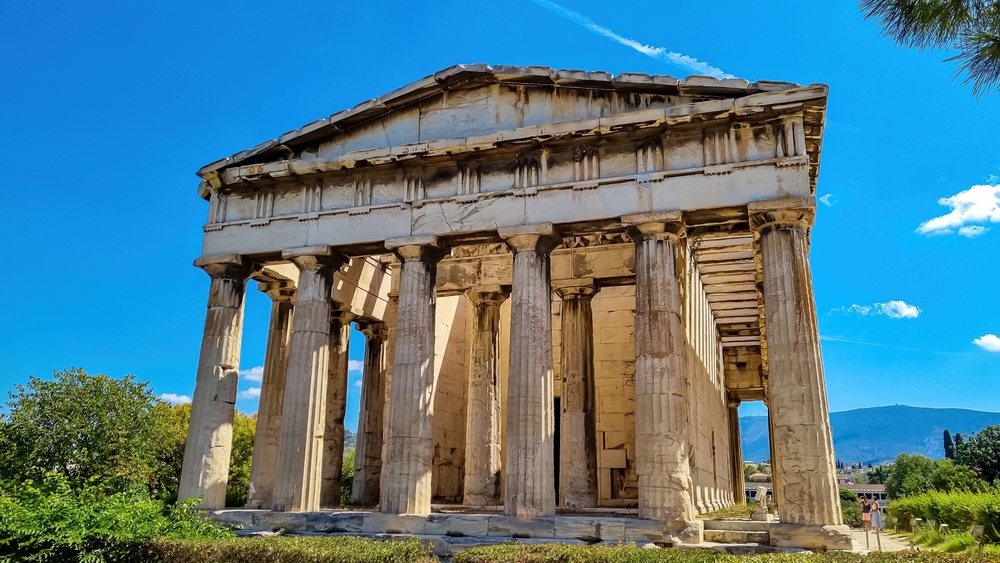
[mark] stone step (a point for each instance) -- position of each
(737, 536)
(737, 525)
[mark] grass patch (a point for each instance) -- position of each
(734, 512)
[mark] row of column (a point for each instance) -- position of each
(298, 449)
(305, 433)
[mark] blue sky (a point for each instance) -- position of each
(108, 108)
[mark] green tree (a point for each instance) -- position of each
(748, 470)
(82, 427)
(244, 428)
(949, 446)
(948, 476)
(878, 475)
(347, 476)
(850, 509)
(981, 452)
(909, 474)
(172, 426)
(971, 27)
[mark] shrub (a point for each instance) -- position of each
(557, 553)
(340, 549)
(959, 510)
(54, 522)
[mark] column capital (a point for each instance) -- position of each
(282, 291)
(226, 266)
(373, 329)
(491, 294)
(580, 288)
(655, 225)
(540, 237)
(314, 257)
(798, 212)
(417, 248)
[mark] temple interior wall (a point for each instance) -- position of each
(707, 401)
(451, 366)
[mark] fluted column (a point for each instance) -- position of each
(264, 466)
(803, 460)
(736, 453)
(368, 455)
(336, 408)
(300, 451)
(577, 428)
(391, 315)
(662, 419)
(530, 486)
(205, 471)
(409, 445)
(482, 437)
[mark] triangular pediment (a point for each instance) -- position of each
(466, 101)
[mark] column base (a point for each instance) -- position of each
(685, 531)
(809, 536)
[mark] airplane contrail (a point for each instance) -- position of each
(659, 53)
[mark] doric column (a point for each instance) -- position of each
(482, 437)
(736, 453)
(391, 314)
(803, 459)
(205, 471)
(368, 455)
(530, 486)
(661, 388)
(264, 466)
(409, 445)
(336, 408)
(300, 452)
(577, 427)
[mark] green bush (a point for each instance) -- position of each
(556, 553)
(340, 549)
(959, 510)
(54, 522)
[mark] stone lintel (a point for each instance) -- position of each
(540, 237)
(314, 257)
(673, 216)
(784, 203)
(225, 266)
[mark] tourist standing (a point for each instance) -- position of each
(866, 512)
(876, 514)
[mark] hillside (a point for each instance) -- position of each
(879, 434)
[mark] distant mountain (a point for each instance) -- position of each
(879, 434)
(350, 439)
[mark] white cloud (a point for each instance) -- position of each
(899, 309)
(357, 384)
(972, 231)
(659, 53)
(175, 399)
(826, 199)
(253, 374)
(988, 342)
(978, 204)
(895, 309)
(355, 365)
(251, 393)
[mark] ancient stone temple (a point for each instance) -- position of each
(567, 281)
